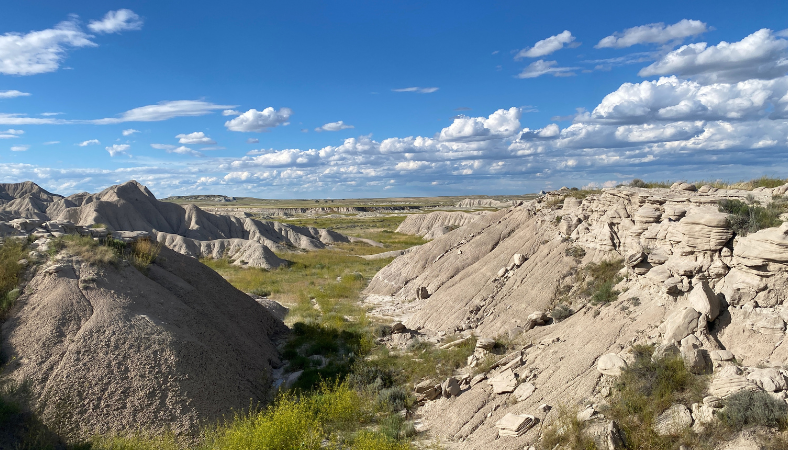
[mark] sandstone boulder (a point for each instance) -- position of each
(729, 380)
(705, 231)
(523, 391)
(769, 245)
(681, 324)
(705, 301)
(504, 382)
(769, 379)
(611, 364)
(673, 421)
(450, 387)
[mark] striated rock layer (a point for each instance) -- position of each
(689, 287)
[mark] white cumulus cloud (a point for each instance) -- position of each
(40, 51)
(89, 142)
(334, 126)
(118, 149)
(11, 133)
(13, 93)
(760, 55)
(501, 123)
(20, 148)
(547, 46)
(116, 21)
(653, 33)
(258, 121)
(130, 131)
(231, 112)
(196, 138)
(183, 150)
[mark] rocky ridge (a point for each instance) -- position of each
(689, 285)
(27, 209)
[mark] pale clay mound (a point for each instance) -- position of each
(482, 203)
(25, 208)
(435, 224)
(107, 349)
(490, 275)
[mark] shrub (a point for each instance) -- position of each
(638, 183)
(134, 442)
(262, 292)
(745, 218)
(293, 422)
(143, 252)
(754, 408)
(604, 293)
(645, 389)
(604, 276)
(393, 398)
(381, 330)
(565, 431)
(575, 252)
(561, 312)
(84, 247)
(367, 440)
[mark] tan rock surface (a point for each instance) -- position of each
(171, 349)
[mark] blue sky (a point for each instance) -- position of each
(360, 99)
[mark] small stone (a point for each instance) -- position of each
(721, 355)
(504, 382)
(586, 414)
(519, 259)
(485, 343)
(523, 391)
(451, 387)
(545, 408)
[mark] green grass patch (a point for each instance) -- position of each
(334, 277)
(335, 413)
(599, 279)
(754, 408)
(647, 388)
(746, 218)
(11, 251)
(421, 360)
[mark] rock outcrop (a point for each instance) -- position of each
(689, 287)
(108, 349)
(435, 224)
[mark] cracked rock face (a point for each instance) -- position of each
(107, 349)
(691, 289)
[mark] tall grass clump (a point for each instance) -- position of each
(296, 422)
(140, 253)
(747, 218)
(599, 280)
(11, 251)
(86, 248)
(647, 388)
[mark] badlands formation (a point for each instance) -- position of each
(688, 285)
(130, 210)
